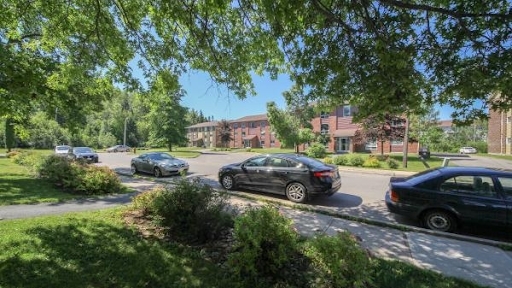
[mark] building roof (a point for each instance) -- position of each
(445, 123)
(205, 124)
(249, 118)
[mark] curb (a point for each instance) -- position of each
(402, 228)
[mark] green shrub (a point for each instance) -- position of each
(265, 243)
(392, 163)
(248, 149)
(380, 157)
(356, 160)
(338, 261)
(341, 160)
(56, 169)
(328, 160)
(12, 154)
(316, 150)
(371, 162)
(96, 180)
(26, 158)
(193, 211)
(144, 200)
(214, 149)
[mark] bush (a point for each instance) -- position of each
(341, 160)
(338, 261)
(96, 180)
(78, 177)
(371, 162)
(26, 158)
(265, 243)
(144, 200)
(380, 157)
(356, 160)
(12, 154)
(316, 150)
(328, 160)
(392, 163)
(193, 211)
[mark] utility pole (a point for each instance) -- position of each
(406, 141)
(124, 138)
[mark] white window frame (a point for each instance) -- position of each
(371, 145)
(397, 142)
(324, 131)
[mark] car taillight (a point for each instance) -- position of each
(394, 196)
(323, 174)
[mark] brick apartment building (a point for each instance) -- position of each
(499, 137)
(254, 131)
(203, 134)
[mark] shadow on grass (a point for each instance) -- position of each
(25, 190)
(95, 253)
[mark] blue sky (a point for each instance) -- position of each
(216, 101)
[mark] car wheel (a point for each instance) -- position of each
(134, 169)
(440, 221)
(157, 172)
(296, 192)
(228, 182)
(115, 151)
(96, 160)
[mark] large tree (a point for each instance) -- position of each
(224, 132)
(384, 56)
(382, 130)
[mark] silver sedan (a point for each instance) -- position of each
(159, 164)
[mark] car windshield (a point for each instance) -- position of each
(83, 150)
(161, 156)
(62, 148)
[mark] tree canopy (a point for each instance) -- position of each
(384, 56)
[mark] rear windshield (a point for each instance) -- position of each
(62, 147)
(83, 150)
(310, 162)
(422, 176)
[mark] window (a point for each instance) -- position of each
(262, 143)
(472, 185)
(509, 119)
(272, 143)
(235, 125)
(397, 142)
(371, 145)
(262, 131)
(506, 184)
(243, 125)
(243, 133)
(324, 115)
(347, 111)
(257, 161)
(324, 128)
(263, 124)
(278, 162)
(252, 124)
(509, 140)
(397, 122)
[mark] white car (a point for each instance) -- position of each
(119, 148)
(62, 150)
(467, 150)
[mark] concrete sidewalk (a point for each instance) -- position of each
(483, 264)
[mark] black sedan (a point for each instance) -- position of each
(83, 153)
(445, 198)
(295, 176)
(158, 164)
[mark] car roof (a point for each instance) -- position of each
(479, 170)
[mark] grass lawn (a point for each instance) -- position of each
(19, 186)
(96, 249)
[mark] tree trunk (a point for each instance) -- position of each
(381, 147)
(9, 134)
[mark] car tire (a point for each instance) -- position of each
(133, 169)
(296, 192)
(96, 160)
(439, 220)
(115, 151)
(157, 172)
(228, 182)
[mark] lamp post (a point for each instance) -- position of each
(124, 138)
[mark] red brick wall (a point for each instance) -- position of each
(495, 140)
(261, 133)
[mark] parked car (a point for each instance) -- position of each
(62, 150)
(159, 164)
(424, 152)
(448, 197)
(467, 150)
(84, 153)
(118, 148)
(296, 176)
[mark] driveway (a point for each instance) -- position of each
(480, 161)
